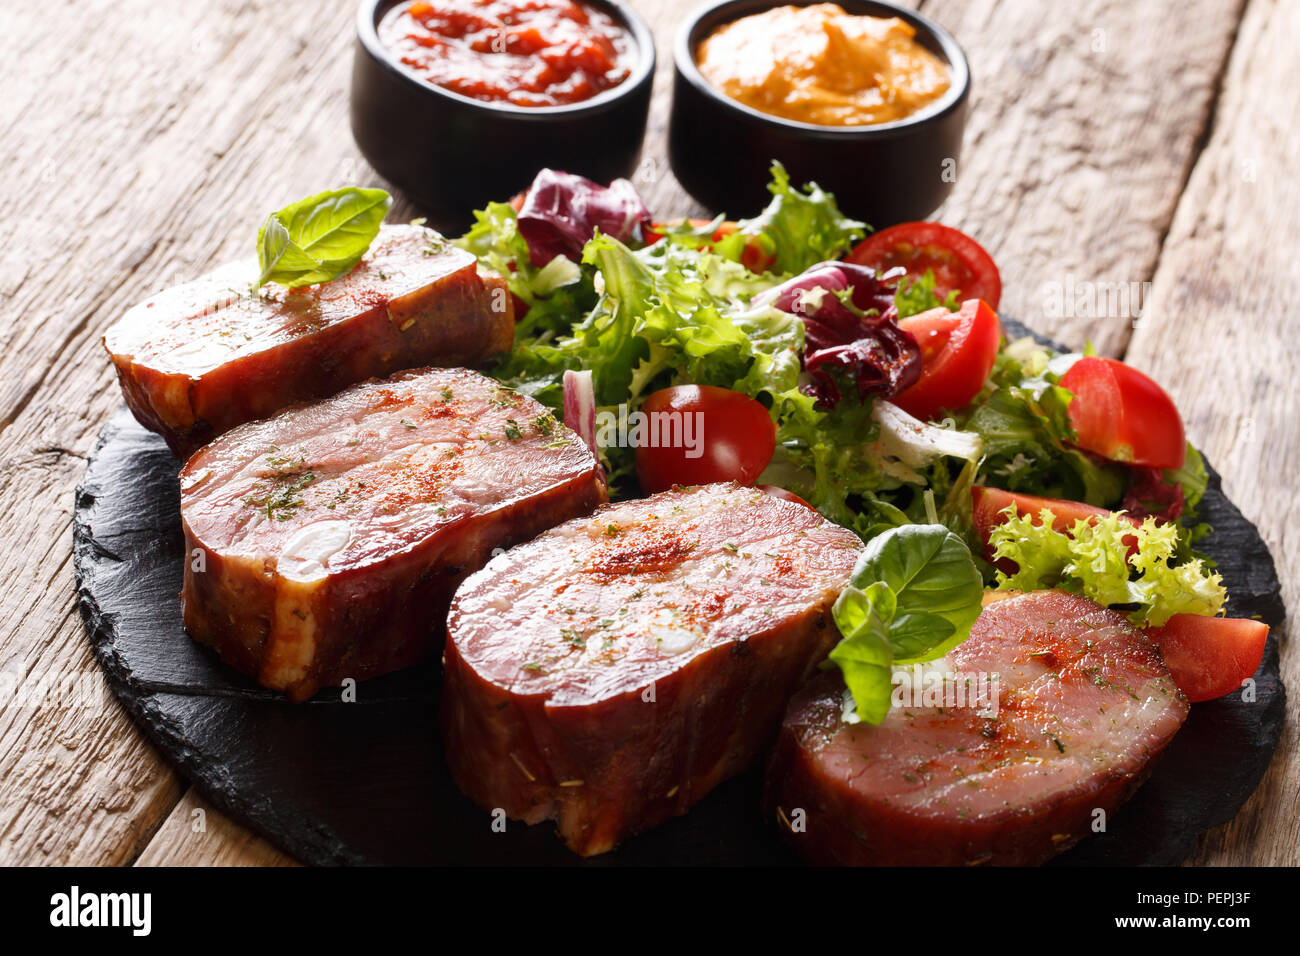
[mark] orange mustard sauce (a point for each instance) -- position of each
(821, 65)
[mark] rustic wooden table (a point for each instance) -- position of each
(1110, 142)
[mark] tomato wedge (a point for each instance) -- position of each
(728, 437)
(1122, 414)
(990, 503)
(958, 262)
(1210, 656)
(957, 353)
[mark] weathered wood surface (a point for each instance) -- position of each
(197, 834)
(1223, 332)
(1086, 120)
(142, 140)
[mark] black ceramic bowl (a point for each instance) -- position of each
(886, 173)
(452, 154)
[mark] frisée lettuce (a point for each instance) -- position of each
(1092, 558)
(804, 226)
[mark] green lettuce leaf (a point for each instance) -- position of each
(915, 297)
(666, 314)
(1024, 420)
(804, 227)
(1092, 559)
(1192, 476)
(555, 297)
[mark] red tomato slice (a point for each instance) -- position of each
(1210, 656)
(732, 438)
(989, 503)
(957, 353)
(1121, 414)
(958, 262)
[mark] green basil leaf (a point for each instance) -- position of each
(279, 256)
(938, 588)
(864, 656)
(913, 597)
(922, 636)
(321, 237)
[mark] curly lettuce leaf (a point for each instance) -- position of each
(1024, 421)
(666, 314)
(803, 226)
(495, 238)
(825, 456)
(1192, 476)
(868, 465)
(916, 296)
(1092, 559)
(690, 309)
(554, 297)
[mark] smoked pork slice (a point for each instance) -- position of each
(611, 672)
(1085, 705)
(325, 543)
(198, 359)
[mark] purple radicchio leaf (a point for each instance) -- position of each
(562, 211)
(861, 344)
(1151, 496)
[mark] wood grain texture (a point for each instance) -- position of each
(142, 141)
(116, 188)
(197, 834)
(1085, 120)
(654, 179)
(1223, 333)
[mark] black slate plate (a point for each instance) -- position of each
(364, 782)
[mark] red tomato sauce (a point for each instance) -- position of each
(525, 52)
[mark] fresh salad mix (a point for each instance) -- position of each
(870, 379)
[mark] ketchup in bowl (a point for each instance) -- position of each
(522, 52)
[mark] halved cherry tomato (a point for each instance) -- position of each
(989, 503)
(752, 257)
(1210, 656)
(958, 262)
(776, 491)
(1121, 414)
(732, 438)
(957, 353)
